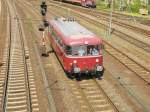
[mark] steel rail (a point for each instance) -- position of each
(85, 98)
(8, 61)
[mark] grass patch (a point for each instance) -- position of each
(132, 9)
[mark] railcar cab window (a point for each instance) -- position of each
(93, 50)
(83, 50)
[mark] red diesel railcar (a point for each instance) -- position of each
(84, 3)
(78, 49)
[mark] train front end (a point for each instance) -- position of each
(84, 59)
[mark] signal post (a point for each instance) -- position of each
(43, 46)
(42, 26)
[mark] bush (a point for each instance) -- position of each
(136, 6)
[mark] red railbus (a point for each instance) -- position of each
(78, 49)
(84, 3)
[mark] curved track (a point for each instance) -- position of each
(18, 92)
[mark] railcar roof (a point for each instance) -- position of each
(72, 28)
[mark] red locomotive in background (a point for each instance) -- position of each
(84, 3)
(78, 49)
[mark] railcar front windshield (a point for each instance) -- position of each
(83, 50)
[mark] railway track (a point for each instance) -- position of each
(18, 92)
(135, 67)
(91, 96)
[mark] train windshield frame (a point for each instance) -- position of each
(83, 50)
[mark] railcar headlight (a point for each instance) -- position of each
(75, 61)
(97, 60)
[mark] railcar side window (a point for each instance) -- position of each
(68, 50)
